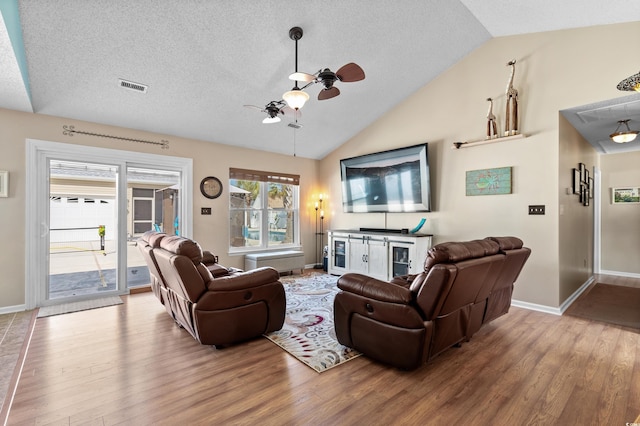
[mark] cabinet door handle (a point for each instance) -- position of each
(409, 264)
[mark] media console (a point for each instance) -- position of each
(381, 254)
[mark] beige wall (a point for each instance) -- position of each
(620, 222)
(576, 220)
(208, 159)
(554, 71)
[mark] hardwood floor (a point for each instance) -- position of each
(129, 364)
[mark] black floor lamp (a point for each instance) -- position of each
(319, 235)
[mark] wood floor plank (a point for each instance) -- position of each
(131, 365)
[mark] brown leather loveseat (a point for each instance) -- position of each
(215, 306)
(411, 319)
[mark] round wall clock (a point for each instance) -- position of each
(211, 187)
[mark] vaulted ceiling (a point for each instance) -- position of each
(203, 60)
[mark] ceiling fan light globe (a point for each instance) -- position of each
(295, 98)
(270, 120)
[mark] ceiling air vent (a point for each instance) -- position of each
(137, 87)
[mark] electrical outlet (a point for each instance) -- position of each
(538, 209)
(205, 210)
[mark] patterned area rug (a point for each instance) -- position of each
(83, 305)
(308, 333)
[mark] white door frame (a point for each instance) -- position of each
(597, 220)
(37, 203)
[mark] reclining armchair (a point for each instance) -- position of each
(146, 243)
(149, 241)
(411, 319)
(216, 310)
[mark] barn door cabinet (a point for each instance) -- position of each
(381, 255)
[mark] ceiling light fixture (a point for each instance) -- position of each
(623, 136)
(269, 120)
(296, 98)
(630, 84)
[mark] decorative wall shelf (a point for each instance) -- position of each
(458, 145)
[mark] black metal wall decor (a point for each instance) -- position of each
(582, 184)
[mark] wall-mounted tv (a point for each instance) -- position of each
(388, 181)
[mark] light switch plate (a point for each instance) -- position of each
(537, 209)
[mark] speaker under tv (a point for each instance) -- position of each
(386, 230)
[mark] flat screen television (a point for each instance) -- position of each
(390, 181)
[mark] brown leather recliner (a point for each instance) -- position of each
(217, 310)
(412, 319)
(146, 243)
(499, 300)
(151, 240)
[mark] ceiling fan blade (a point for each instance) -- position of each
(254, 107)
(302, 76)
(328, 93)
(350, 72)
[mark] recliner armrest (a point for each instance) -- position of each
(248, 279)
(217, 270)
(209, 258)
(375, 289)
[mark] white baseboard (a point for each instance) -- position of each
(549, 309)
(620, 274)
(565, 305)
(12, 309)
(535, 307)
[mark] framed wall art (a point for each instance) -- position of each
(626, 195)
(576, 181)
(582, 184)
(489, 181)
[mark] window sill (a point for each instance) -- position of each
(243, 251)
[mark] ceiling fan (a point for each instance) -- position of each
(274, 110)
(348, 73)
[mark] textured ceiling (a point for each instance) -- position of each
(203, 60)
(597, 121)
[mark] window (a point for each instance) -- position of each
(263, 210)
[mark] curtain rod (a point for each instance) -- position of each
(70, 131)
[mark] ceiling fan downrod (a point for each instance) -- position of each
(295, 34)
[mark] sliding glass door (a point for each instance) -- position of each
(88, 207)
(153, 203)
(83, 237)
